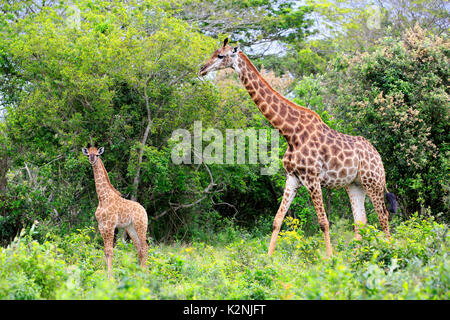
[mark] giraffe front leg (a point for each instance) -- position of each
(108, 241)
(315, 191)
(292, 184)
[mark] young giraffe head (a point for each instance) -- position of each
(224, 57)
(92, 153)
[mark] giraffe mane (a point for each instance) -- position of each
(281, 97)
(107, 178)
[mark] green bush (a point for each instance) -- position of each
(29, 270)
(414, 240)
(292, 242)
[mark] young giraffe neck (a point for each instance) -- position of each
(103, 186)
(283, 114)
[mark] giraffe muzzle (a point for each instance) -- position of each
(203, 70)
(93, 159)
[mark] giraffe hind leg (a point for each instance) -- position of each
(139, 240)
(377, 198)
(142, 234)
(357, 195)
(135, 238)
(141, 225)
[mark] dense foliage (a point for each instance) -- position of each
(120, 78)
(235, 265)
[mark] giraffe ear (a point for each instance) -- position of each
(225, 42)
(85, 151)
(235, 49)
(100, 150)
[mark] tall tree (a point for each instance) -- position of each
(259, 24)
(350, 26)
(120, 75)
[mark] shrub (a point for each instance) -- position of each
(30, 270)
(292, 242)
(413, 240)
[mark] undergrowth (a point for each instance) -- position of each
(414, 264)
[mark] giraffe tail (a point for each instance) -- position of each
(392, 200)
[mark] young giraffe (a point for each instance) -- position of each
(317, 156)
(114, 211)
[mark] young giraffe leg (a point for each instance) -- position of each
(135, 238)
(292, 184)
(377, 198)
(357, 196)
(108, 240)
(316, 194)
(142, 234)
(138, 232)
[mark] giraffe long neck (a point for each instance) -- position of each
(283, 114)
(102, 184)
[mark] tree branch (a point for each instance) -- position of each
(174, 207)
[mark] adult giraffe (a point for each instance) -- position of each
(317, 156)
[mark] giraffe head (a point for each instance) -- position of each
(224, 57)
(92, 153)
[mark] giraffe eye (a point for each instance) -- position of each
(220, 56)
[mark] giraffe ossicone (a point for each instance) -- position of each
(317, 156)
(113, 212)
